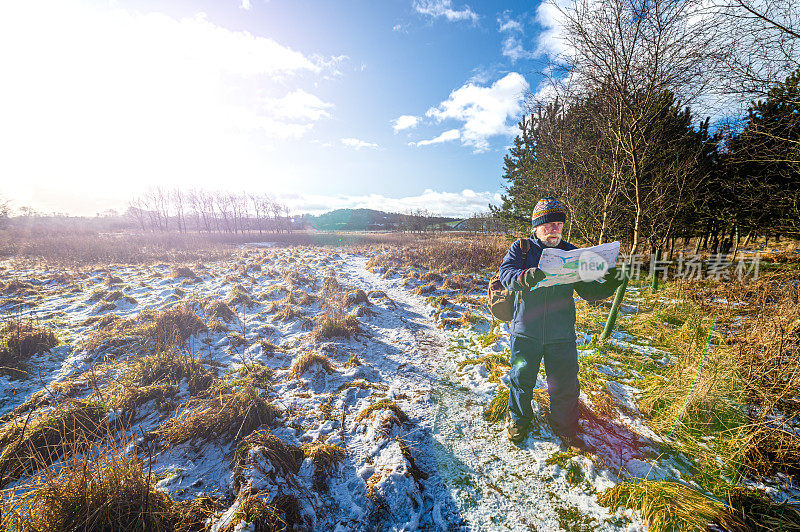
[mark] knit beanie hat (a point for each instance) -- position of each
(548, 210)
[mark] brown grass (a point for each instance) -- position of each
(230, 416)
(305, 361)
(325, 457)
(280, 514)
(220, 310)
(264, 447)
(36, 442)
(355, 297)
(20, 340)
(383, 404)
(344, 327)
(151, 331)
(101, 490)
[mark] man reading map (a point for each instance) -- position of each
(543, 324)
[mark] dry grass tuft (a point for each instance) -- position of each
(383, 404)
(304, 362)
(281, 514)
(184, 272)
(33, 443)
(173, 327)
(240, 297)
(666, 506)
(233, 415)
(170, 367)
(221, 311)
(355, 297)
(325, 457)
(344, 327)
(263, 448)
(753, 510)
(151, 331)
(498, 407)
(416, 473)
(21, 340)
(100, 490)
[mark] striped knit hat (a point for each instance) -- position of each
(548, 210)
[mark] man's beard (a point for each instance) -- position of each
(547, 242)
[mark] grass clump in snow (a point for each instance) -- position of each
(99, 490)
(31, 443)
(221, 311)
(20, 340)
(231, 415)
(496, 365)
(665, 505)
(170, 367)
(330, 327)
(184, 272)
(332, 321)
(355, 297)
(267, 454)
(151, 331)
(305, 361)
(280, 514)
(497, 409)
(240, 297)
(325, 457)
(383, 404)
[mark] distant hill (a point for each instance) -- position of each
(369, 220)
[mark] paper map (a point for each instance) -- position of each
(582, 264)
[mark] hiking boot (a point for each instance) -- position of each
(573, 442)
(517, 432)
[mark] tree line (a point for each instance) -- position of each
(162, 210)
(616, 137)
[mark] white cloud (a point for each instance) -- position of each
(484, 110)
(404, 122)
(298, 105)
(144, 98)
(444, 8)
(513, 47)
(551, 41)
(357, 144)
(452, 134)
(454, 204)
(246, 4)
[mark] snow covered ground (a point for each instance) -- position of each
(442, 468)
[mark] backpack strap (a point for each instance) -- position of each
(525, 245)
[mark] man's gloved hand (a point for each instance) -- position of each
(530, 277)
(614, 276)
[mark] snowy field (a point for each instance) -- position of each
(403, 398)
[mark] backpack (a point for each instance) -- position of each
(501, 301)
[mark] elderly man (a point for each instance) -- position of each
(543, 326)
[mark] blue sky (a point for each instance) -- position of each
(394, 104)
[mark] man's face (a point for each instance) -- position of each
(549, 233)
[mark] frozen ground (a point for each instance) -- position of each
(444, 468)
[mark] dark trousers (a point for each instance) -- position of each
(561, 368)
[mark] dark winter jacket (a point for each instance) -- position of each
(548, 313)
